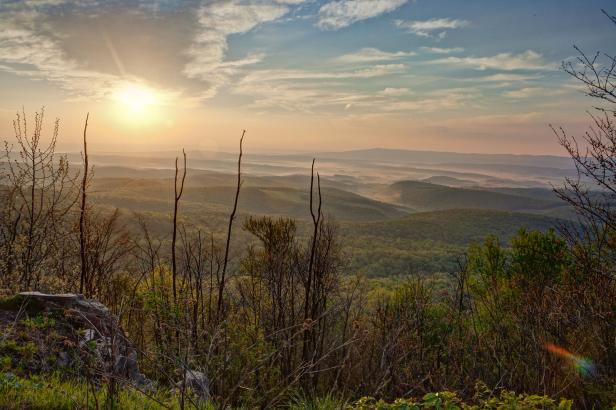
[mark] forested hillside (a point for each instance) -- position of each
(380, 239)
(429, 242)
(423, 196)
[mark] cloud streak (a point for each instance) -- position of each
(377, 70)
(528, 60)
(532, 92)
(426, 28)
(373, 54)
(342, 13)
(304, 90)
(439, 50)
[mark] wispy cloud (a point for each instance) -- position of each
(293, 96)
(217, 21)
(528, 60)
(425, 105)
(377, 70)
(509, 77)
(441, 100)
(373, 54)
(438, 50)
(395, 92)
(533, 92)
(342, 13)
(299, 98)
(304, 90)
(495, 120)
(297, 91)
(427, 28)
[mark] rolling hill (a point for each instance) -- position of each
(155, 195)
(423, 196)
(416, 226)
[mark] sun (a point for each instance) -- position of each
(136, 101)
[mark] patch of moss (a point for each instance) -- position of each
(22, 350)
(6, 362)
(39, 322)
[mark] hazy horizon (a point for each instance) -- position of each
(281, 152)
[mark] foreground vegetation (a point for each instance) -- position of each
(51, 393)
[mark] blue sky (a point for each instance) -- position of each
(472, 76)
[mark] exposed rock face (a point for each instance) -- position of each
(198, 383)
(114, 353)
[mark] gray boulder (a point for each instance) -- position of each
(114, 353)
(196, 381)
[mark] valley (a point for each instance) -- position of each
(390, 223)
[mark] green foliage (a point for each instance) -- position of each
(488, 260)
(450, 401)
(52, 393)
(429, 242)
(272, 233)
(538, 257)
(535, 259)
(328, 402)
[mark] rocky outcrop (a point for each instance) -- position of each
(99, 333)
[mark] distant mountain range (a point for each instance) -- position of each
(436, 157)
(377, 165)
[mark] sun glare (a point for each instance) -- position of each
(136, 101)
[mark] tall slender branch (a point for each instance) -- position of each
(177, 196)
(316, 219)
(82, 214)
(221, 285)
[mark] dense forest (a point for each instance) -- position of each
(288, 319)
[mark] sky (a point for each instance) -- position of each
(301, 75)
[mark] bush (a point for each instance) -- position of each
(450, 401)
